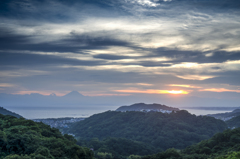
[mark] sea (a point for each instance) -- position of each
(57, 112)
(76, 112)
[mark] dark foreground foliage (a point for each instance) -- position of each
(224, 145)
(117, 148)
(25, 139)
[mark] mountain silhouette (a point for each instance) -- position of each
(74, 94)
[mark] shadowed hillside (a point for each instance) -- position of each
(159, 130)
(4, 111)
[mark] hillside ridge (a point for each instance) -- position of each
(4, 111)
(147, 107)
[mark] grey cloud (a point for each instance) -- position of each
(60, 11)
(70, 43)
(177, 56)
(197, 56)
(95, 41)
(30, 60)
(153, 64)
(218, 4)
(12, 41)
(230, 77)
(63, 11)
(111, 57)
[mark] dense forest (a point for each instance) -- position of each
(225, 145)
(117, 148)
(26, 139)
(155, 129)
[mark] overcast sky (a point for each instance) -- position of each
(182, 48)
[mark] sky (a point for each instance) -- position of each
(122, 50)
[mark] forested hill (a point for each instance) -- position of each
(221, 144)
(234, 122)
(7, 112)
(161, 130)
(26, 139)
(143, 106)
(227, 115)
(225, 145)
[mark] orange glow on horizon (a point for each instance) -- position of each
(91, 94)
(178, 92)
(181, 85)
(151, 91)
(39, 92)
(99, 95)
(220, 90)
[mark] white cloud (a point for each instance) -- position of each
(148, 3)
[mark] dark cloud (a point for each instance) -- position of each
(73, 43)
(7, 38)
(153, 64)
(196, 56)
(177, 57)
(216, 68)
(111, 57)
(78, 42)
(192, 20)
(220, 4)
(12, 41)
(61, 11)
(29, 60)
(229, 77)
(95, 41)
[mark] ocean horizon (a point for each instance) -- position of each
(77, 112)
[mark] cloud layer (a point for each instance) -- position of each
(103, 48)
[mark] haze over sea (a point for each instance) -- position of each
(58, 112)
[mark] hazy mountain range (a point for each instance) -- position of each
(75, 98)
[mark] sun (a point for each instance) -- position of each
(177, 92)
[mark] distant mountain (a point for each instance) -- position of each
(73, 98)
(146, 107)
(7, 112)
(74, 94)
(227, 115)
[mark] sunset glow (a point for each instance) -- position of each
(121, 51)
(151, 91)
(178, 92)
(46, 93)
(220, 90)
(186, 86)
